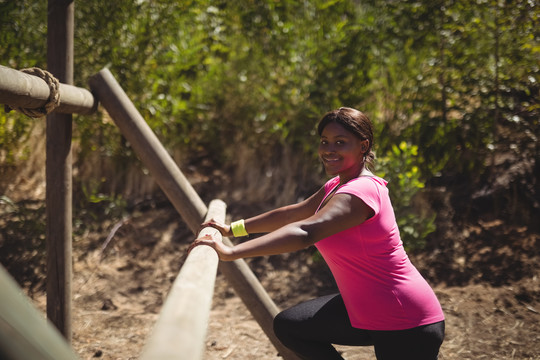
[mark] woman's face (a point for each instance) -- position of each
(341, 152)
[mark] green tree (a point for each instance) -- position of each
(242, 84)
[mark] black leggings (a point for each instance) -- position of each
(310, 328)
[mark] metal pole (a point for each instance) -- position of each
(58, 171)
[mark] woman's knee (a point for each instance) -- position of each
(282, 326)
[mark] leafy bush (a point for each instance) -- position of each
(209, 76)
(398, 167)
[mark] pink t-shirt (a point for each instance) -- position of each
(381, 288)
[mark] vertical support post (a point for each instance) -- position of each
(60, 23)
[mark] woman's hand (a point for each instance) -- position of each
(224, 252)
(224, 229)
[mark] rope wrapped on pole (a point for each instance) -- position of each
(36, 93)
(54, 95)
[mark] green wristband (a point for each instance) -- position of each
(238, 228)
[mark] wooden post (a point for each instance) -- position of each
(18, 89)
(180, 331)
(24, 333)
(179, 191)
(58, 171)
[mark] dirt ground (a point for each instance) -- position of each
(119, 286)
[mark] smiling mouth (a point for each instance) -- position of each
(330, 160)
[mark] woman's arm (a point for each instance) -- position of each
(342, 212)
(277, 218)
(274, 219)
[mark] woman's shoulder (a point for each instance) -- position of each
(365, 187)
(360, 182)
(331, 183)
(364, 180)
(370, 189)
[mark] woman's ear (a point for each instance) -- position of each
(365, 145)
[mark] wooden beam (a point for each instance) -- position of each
(24, 332)
(21, 90)
(60, 22)
(179, 191)
(254, 296)
(149, 149)
(180, 332)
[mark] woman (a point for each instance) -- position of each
(383, 300)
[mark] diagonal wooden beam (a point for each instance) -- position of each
(182, 195)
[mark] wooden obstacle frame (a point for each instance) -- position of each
(181, 327)
(178, 325)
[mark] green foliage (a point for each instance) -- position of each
(23, 33)
(109, 205)
(13, 133)
(95, 207)
(22, 46)
(215, 77)
(398, 167)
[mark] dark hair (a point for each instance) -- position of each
(355, 122)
